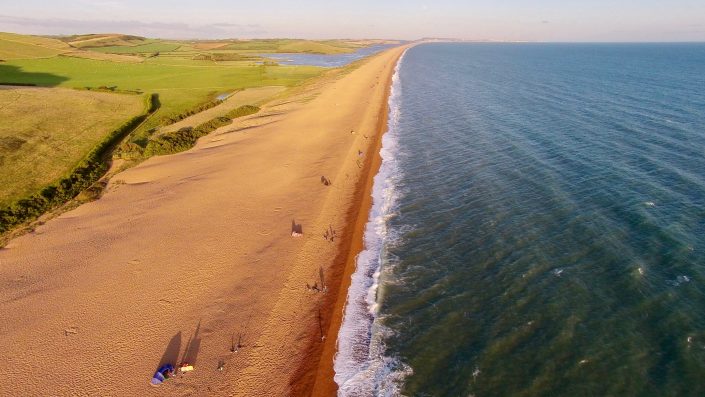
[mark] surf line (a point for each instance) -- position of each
(359, 363)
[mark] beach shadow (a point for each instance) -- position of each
(296, 228)
(248, 127)
(14, 75)
(171, 354)
(192, 347)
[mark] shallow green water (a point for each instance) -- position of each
(540, 226)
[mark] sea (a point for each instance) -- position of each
(538, 226)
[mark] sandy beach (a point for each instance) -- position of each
(188, 256)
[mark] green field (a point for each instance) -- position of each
(180, 86)
(100, 40)
(287, 45)
(139, 49)
(185, 74)
(47, 131)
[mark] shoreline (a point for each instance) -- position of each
(324, 383)
(193, 252)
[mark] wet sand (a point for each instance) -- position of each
(187, 254)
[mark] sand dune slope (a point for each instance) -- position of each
(184, 253)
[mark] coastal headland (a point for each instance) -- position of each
(196, 257)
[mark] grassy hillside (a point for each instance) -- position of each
(252, 96)
(146, 48)
(180, 86)
(185, 74)
(16, 46)
(296, 46)
(46, 131)
(102, 40)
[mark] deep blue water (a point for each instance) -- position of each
(538, 226)
(326, 60)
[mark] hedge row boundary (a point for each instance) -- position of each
(88, 171)
(185, 138)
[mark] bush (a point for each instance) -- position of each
(242, 111)
(168, 120)
(183, 139)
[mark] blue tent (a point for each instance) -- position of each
(163, 373)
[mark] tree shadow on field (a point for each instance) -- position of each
(14, 75)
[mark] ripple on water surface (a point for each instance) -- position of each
(548, 223)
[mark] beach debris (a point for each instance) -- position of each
(325, 181)
(641, 271)
(297, 229)
(557, 272)
(330, 234)
(359, 152)
(690, 339)
(650, 204)
(221, 365)
(70, 331)
(352, 132)
(185, 367)
(475, 373)
(234, 348)
(164, 372)
(582, 362)
(316, 288)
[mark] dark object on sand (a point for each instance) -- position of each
(235, 348)
(297, 230)
(325, 181)
(164, 372)
(330, 234)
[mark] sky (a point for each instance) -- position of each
(513, 20)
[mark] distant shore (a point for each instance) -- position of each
(190, 257)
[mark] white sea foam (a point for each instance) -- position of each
(361, 366)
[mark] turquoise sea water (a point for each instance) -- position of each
(538, 226)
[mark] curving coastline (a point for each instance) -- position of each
(185, 254)
(358, 219)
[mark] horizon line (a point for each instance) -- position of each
(419, 40)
